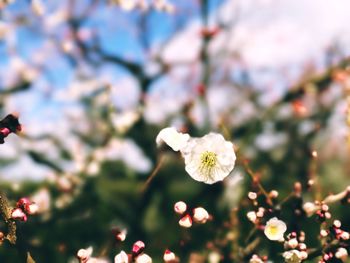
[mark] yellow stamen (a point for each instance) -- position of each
(208, 160)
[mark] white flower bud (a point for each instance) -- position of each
(273, 194)
(303, 255)
(18, 213)
(84, 254)
(214, 257)
(261, 212)
(323, 233)
(122, 257)
(345, 235)
(337, 223)
(185, 221)
(200, 215)
(252, 195)
(174, 139)
(180, 207)
(32, 209)
(325, 207)
(251, 216)
(293, 243)
(302, 246)
(143, 258)
(341, 253)
(168, 256)
(121, 235)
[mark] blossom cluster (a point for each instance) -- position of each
(24, 207)
(198, 214)
(208, 159)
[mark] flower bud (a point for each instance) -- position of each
(337, 223)
(122, 257)
(303, 255)
(261, 212)
(144, 258)
(84, 254)
(121, 235)
(18, 213)
(138, 248)
(23, 202)
(185, 221)
(273, 194)
(342, 254)
(252, 195)
(345, 235)
(251, 216)
(200, 215)
(293, 243)
(180, 207)
(323, 233)
(32, 209)
(302, 246)
(168, 256)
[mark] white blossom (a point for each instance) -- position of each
(292, 256)
(274, 229)
(209, 159)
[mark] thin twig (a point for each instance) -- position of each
(154, 173)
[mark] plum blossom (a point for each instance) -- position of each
(292, 256)
(274, 229)
(209, 159)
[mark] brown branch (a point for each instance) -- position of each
(5, 210)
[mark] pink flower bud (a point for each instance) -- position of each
(4, 131)
(186, 221)
(138, 248)
(180, 207)
(200, 215)
(168, 256)
(18, 213)
(121, 235)
(23, 202)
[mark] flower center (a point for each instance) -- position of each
(208, 160)
(273, 230)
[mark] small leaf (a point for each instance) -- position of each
(29, 258)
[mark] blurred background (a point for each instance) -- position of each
(94, 81)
